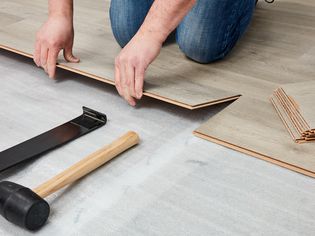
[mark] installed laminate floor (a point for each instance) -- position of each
(252, 126)
(285, 52)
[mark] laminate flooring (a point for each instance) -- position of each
(171, 78)
(253, 127)
(278, 48)
(286, 51)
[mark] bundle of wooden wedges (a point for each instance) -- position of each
(295, 105)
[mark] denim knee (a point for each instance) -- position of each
(202, 52)
(210, 31)
(126, 17)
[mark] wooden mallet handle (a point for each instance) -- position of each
(87, 164)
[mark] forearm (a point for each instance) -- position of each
(164, 16)
(62, 8)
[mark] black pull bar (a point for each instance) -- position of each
(85, 123)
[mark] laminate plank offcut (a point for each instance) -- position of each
(295, 106)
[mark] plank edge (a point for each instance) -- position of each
(148, 94)
(255, 154)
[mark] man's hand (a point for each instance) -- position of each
(55, 35)
(131, 64)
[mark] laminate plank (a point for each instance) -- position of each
(8, 19)
(257, 62)
(171, 78)
(253, 127)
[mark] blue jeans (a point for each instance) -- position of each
(207, 33)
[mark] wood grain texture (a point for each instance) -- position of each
(280, 49)
(253, 127)
(171, 78)
(259, 61)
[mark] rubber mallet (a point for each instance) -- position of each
(28, 209)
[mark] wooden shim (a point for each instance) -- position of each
(304, 96)
(292, 108)
(291, 129)
(294, 118)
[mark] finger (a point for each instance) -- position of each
(52, 61)
(37, 53)
(125, 85)
(43, 57)
(139, 80)
(68, 55)
(117, 80)
(130, 73)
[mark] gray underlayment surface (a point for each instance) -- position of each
(171, 184)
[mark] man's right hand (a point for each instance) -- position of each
(55, 35)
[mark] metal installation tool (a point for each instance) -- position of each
(28, 209)
(85, 123)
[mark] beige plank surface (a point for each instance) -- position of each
(257, 62)
(253, 127)
(279, 48)
(304, 96)
(172, 77)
